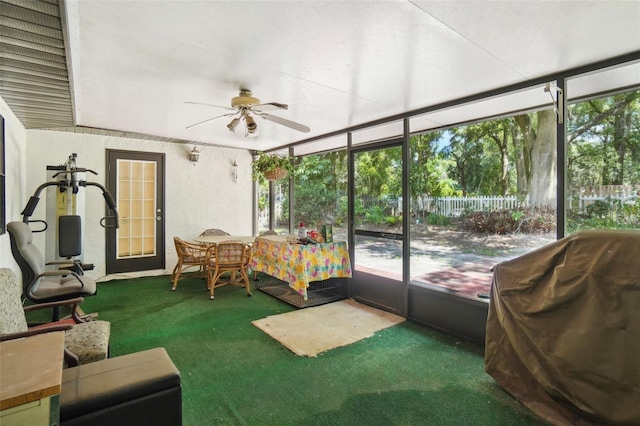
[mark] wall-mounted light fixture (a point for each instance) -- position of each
(235, 171)
(194, 156)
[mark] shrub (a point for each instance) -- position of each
(599, 209)
(438, 219)
(606, 214)
(531, 220)
(489, 222)
(537, 220)
(374, 215)
(393, 220)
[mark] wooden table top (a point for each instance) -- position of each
(30, 368)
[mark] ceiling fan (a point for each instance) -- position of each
(245, 107)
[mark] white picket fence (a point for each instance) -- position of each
(454, 206)
(580, 203)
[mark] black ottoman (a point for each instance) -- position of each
(142, 388)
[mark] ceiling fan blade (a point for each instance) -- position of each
(209, 119)
(269, 106)
(291, 124)
(212, 105)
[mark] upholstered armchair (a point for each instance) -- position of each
(85, 341)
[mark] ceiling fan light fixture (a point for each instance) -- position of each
(245, 100)
(251, 124)
(245, 107)
(234, 123)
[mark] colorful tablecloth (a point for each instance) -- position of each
(299, 264)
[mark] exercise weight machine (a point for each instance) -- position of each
(69, 230)
(68, 280)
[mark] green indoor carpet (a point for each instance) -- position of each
(235, 374)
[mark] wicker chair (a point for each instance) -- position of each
(228, 256)
(213, 231)
(189, 254)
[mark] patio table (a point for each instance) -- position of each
(300, 264)
(215, 239)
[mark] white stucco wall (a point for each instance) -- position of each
(15, 140)
(197, 197)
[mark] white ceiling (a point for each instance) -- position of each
(335, 63)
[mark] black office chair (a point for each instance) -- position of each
(38, 284)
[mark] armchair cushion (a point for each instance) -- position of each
(89, 340)
(12, 319)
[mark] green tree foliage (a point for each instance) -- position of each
(377, 172)
(319, 182)
(507, 156)
(428, 176)
(378, 184)
(497, 133)
(604, 141)
(465, 151)
(429, 167)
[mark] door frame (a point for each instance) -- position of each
(114, 265)
(378, 290)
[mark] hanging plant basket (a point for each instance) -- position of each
(271, 166)
(275, 174)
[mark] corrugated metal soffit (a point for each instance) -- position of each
(33, 66)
